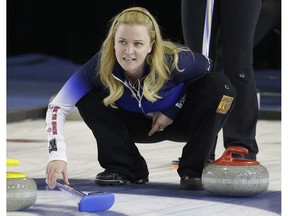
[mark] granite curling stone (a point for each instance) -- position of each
(21, 190)
(235, 177)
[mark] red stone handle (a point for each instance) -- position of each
(236, 150)
(227, 157)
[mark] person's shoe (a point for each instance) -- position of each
(191, 183)
(175, 163)
(140, 181)
(112, 178)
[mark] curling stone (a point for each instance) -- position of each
(235, 177)
(21, 190)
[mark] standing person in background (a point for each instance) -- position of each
(141, 88)
(234, 23)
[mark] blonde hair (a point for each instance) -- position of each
(160, 66)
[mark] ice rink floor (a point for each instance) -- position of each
(26, 141)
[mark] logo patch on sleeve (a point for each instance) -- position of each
(224, 104)
(52, 145)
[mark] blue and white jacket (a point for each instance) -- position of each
(194, 66)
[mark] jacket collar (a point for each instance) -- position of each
(119, 74)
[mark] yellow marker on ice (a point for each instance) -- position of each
(12, 162)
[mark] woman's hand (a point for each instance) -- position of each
(159, 123)
(53, 170)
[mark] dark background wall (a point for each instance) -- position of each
(75, 29)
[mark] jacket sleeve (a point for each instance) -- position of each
(80, 83)
(195, 66)
(55, 119)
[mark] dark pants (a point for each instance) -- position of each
(237, 21)
(198, 124)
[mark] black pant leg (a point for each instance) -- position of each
(193, 19)
(238, 21)
(117, 152)
(206, 109)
